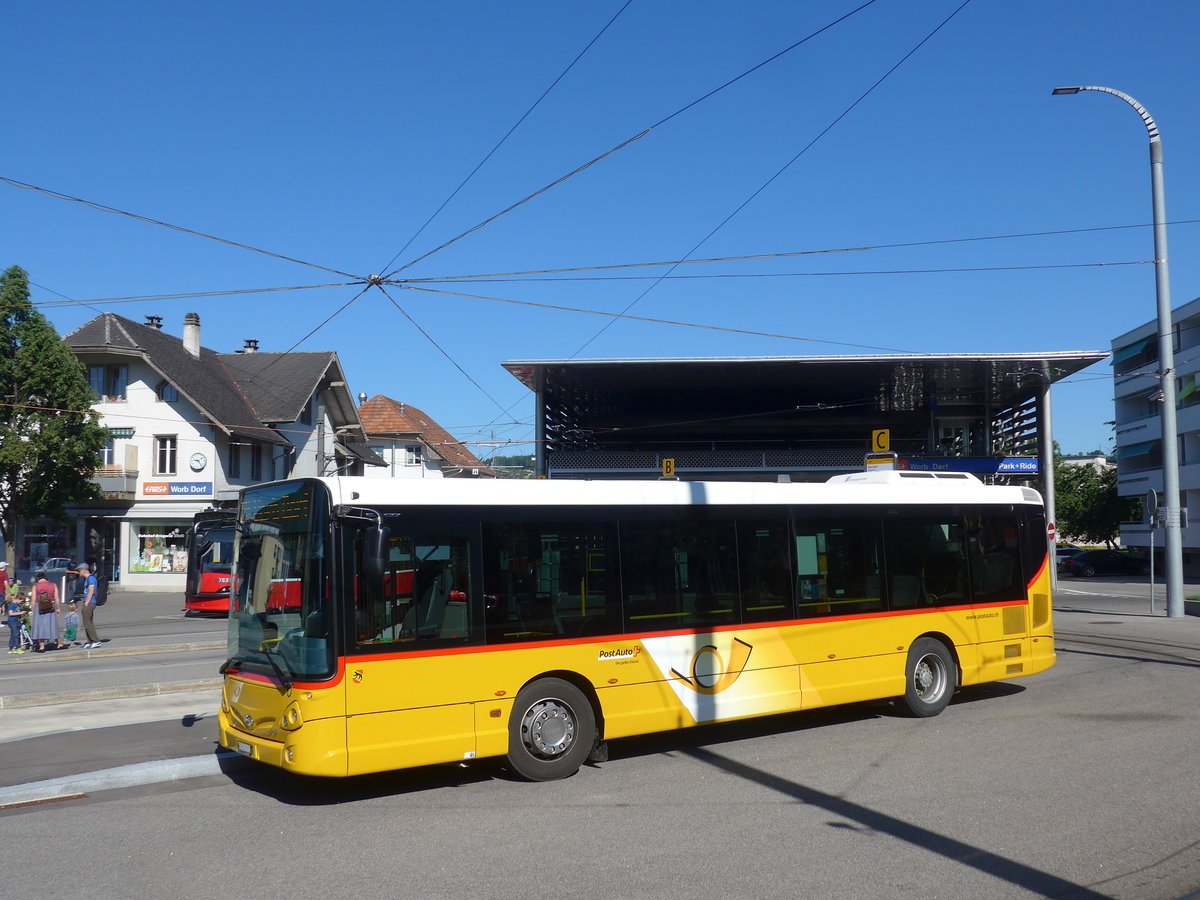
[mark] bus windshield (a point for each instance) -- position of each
(280, 623)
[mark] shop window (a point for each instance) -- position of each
(159, 548)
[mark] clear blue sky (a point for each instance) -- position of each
(331, 132)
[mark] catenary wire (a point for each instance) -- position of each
(439, 348)
(1095, 265)
(790, 253)
(58, 195)
(508, 134)
(629, 141)
(783, 169)
(650, 320)
(185, 296)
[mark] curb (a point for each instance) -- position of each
(26, 701)
(40, 658)
(119, 777)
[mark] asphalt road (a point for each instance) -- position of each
(1078, 782)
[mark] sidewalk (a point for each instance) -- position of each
(129, 624)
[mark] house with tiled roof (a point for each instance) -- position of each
(413, 445)
(189, 427)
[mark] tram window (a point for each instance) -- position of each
(545, 580)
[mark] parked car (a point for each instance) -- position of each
(1105, 562)
(1063, 552)
(55, 568)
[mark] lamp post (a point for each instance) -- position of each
(1166, 358)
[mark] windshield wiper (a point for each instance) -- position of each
(230, 663)
(285, 680)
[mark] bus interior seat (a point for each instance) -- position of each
(907, 591)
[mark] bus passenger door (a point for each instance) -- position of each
(407, 699)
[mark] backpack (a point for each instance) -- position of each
(45, 602)
(101, 590)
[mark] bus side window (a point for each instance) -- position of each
(995, 557)
(422, 596)
(765, 570)
(838, 567)
(547, 579)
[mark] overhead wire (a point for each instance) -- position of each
(649, 319)
(58, 195)
(1094, 265)
(785, 167)
(749, 257)
(625, 143)
(189, 295)
(508, 134)
(439, 348)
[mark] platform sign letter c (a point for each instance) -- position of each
(881, 440)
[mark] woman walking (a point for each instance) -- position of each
(44, 610)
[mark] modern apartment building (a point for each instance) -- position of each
(1137, 393)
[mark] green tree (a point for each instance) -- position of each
(1087, 504)
(50, 438)
(512, 466)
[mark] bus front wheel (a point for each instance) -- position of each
(551, 731)
(929, 677)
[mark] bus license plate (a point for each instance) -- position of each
(245, 749)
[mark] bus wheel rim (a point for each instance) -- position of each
(929, 677)
(548, 729)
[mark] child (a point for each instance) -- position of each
(72, 623)
(12, 609)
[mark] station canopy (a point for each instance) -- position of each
(786, 403)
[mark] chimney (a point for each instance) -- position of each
(154, 322)
(251, 346)
(191, 334)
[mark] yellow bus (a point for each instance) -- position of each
(377, 624)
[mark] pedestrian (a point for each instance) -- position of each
(3, 577)
(44, 610)
(72, 578)
(89, 606)
(71, 623)
(12, 611)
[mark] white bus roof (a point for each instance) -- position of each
(860, 488)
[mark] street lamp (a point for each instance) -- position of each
(1166, 357)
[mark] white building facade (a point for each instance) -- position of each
(189, 427)
(1137, 399)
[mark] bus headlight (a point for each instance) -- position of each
(291, 719)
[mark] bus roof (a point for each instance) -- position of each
(860, 488)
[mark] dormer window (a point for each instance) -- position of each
(167, 392)
(108, 382)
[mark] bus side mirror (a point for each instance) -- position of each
(375, 551)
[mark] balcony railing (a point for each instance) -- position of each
(117, 484)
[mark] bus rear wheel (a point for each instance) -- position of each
(930, 676)
(551, 730)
